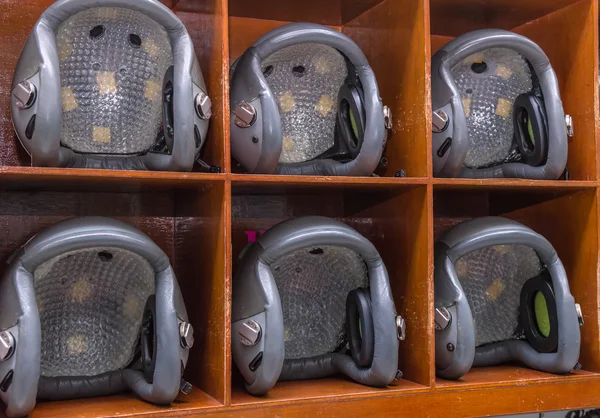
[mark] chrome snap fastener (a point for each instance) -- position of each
(250, 333)
(244, 115)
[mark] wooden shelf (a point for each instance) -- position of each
(512, 184)
(508, 375)
(286, 392)
(202, 221)
(126, 405)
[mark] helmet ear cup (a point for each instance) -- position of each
(531, 133)
(538, 314)
(168, 119)
(148, 339)
(351, 119)
(361, 331)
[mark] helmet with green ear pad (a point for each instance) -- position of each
(257, 122)
(545, 335)
(539, 136)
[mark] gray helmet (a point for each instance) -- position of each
(304, 100)
(306, 291)
(496, 109)
(501, 294)
(110, 84)
(90, 307)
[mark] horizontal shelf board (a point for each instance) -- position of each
(123, 406)
(444, 183)
(19, 178)
(252, 179)
(330, 388)
(507, 375)
(320, 398)
(560, 394)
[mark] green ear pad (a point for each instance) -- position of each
(542, 316)
(538, 313)
(360, 330)
(530, 131)
(353, 124)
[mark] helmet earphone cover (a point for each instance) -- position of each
(91, 307)
(305, 101)
(496, 109)
(501, 294)
(305, 293)
(110, 84)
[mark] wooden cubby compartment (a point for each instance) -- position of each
(395, 220)
(568, 219)
(567, 32)
(390, 33)
(189, 225)
(206, 23)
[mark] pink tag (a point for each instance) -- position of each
(252, 235)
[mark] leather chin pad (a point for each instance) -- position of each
(361, 332)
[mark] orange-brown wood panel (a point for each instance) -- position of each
(87, 180)
(552, 395)
(197, 6)
(16, 20)
(209, 34)
(519, 398)
(569, 37)
(512, 184)
(24, 214)
(330, 388)
(316, 11)
(373, 183)
(354, 8)
(455, 17)
(244, 31)
(452, 208)
(398, 226)
(196, 402)
(438, 41)
(201, 238)
(507, 375)
(394, 36)
(228, 290)
(570, 223)
(335, 12)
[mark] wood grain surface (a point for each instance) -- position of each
(570, 54)
(201, 220)
(394, 37)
